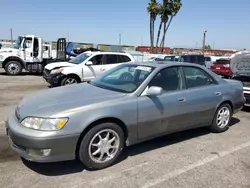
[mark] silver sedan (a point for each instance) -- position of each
(128, 104)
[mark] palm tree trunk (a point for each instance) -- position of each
(165, 32)
(151, 34)
(158, 36)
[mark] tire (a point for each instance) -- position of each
(69, 80)
(84, 153)
(13, 68)
(215, 127)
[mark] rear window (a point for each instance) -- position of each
(222, 61)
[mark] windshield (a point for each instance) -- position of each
(125, 78)
(222, 61)
(18, 42)
(80, 58)
(169, 58)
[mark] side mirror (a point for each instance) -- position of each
(89, 63)
(154, 90)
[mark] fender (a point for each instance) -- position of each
(13, 58)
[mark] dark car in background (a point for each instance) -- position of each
(222, 67)
(188, 58)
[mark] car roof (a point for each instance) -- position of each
(105, 52)
(161, 64)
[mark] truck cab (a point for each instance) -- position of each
(26, 50)
(28, 54)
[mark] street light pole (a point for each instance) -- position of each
(120, 39)
(204, 41)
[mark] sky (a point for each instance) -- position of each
(227, 22)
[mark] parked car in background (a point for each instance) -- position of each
(171, 58)
(222, 67)
(208, 61)
(240, 66)
(128, 104)
(83, 67)
(193, 58)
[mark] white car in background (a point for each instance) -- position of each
(83, 67)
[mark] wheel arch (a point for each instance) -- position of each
(13, 58)
(75, 76)
(97, 122)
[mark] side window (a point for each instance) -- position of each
(169, 79)
(36, 47)
(112, 59)
(97, 60)
(27, 42)
(123, 58)
(196, 77)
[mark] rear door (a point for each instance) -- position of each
(204, 94)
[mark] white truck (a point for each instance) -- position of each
(83, 67)
(27, 54)
(240, 66)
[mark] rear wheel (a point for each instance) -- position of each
(101, 146)
(13, 68)
(222, 118)
(69, 80)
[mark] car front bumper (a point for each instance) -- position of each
(39, 149)
(247, 96)
(53, 79)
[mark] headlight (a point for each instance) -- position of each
(46, 124)
(56, 71)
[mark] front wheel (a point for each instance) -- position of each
(69, 80)
(101, 146)
(13, 68)
(222, 118)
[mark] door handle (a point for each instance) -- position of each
(102, 69)
(217, 93)
(182, 100)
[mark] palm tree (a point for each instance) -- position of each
(163, 11)
(172, 9)
(153, 9)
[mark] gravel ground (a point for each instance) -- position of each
(191, 159)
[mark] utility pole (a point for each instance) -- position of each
(204, 41)
(11, 37)
(120, 39)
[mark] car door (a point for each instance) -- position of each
(203, 96)
(113, 60)
(96, 69)
(165, 113)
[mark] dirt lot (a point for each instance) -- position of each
(189, 159)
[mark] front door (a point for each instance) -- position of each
(27, 47)
(165, 113)
(98, 67)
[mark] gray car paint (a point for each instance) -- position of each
(144, 117)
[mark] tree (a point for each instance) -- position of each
(171, 7)
(153, 10)
(207, 47)
(164, 19)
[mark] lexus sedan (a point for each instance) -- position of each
(131, 103)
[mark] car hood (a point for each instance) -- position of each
(59, 65)
(56, 101)
(240, 64)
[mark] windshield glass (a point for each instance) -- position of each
(18, 42)
(125, 78)
(169, 58)
(80, 58)
(222, 61)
